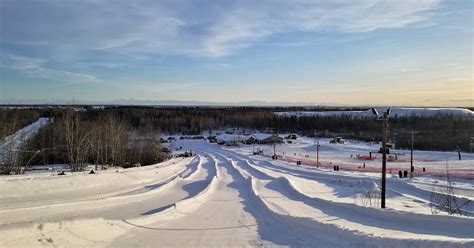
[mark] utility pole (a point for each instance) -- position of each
(459, 152)
(412, 168)
(317, 152)
(384, 119)
(274, 149)
(274, 137)
(317, 148)
(384, 158)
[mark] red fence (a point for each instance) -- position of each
(458, 173)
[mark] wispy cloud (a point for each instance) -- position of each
(301, 49)
(410, 69)
(217, 28)
(34, 67)
(109, 65)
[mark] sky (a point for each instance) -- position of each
(354, 52)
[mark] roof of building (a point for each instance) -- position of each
(261, 136)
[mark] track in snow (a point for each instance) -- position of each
(223, 198)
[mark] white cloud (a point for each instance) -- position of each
(209, 28)
(34, 67)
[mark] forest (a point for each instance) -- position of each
(78, 138)
(129, 135)
(444, 133)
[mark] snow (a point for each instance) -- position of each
(395, 112)
(261, 136)
(15, 141)
(345, 155)
(228, 197)
(227, 137)
(235, 137)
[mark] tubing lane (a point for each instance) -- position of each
(415, 223)
(180, 208)
(304, 231)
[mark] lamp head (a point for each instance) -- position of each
(374, 111)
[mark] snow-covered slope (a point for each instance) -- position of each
(223, 198)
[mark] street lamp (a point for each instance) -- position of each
(384, 118)
(412, 167)
(316, 141)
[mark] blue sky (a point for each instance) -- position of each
(346, 52)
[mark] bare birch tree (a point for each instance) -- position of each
(77, 142)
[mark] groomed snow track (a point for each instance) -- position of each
(219, 198)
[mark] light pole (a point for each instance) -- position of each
(412, 168)
(317, 151)
(384, 118)
(317, 148)
(274, 148)
(459, 152)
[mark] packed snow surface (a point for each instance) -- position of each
(227, 197)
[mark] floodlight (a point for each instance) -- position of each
(375, 112)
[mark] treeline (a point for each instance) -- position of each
(129, 135)
(79, 138)
(433, 133)
(443, 133)
(191, 120)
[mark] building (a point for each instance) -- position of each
(248, 139)
(265, 138)
(228, 139)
